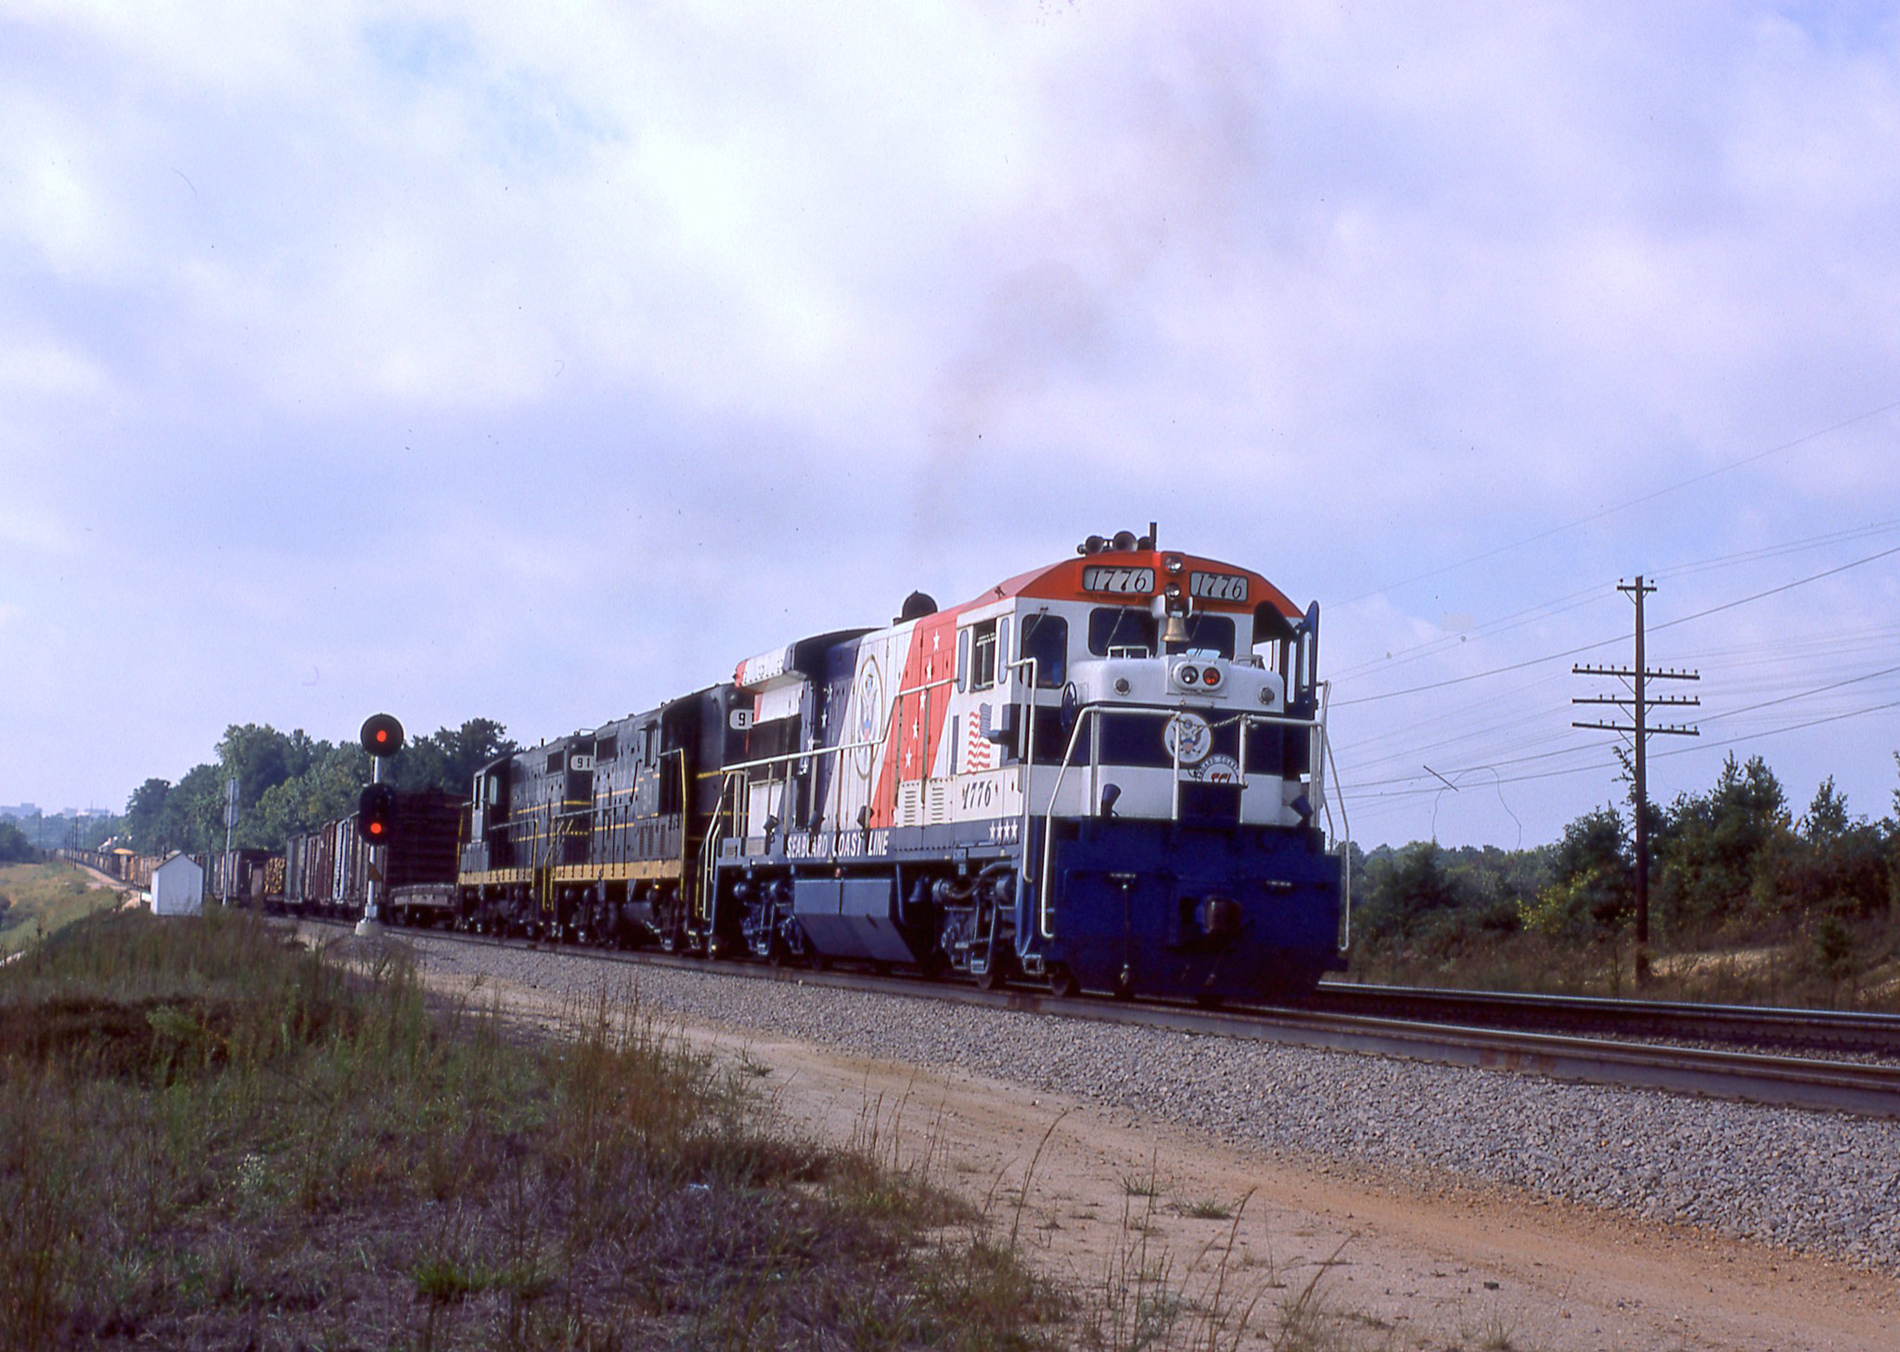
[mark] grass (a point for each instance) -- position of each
(212, 1137)
(1790, 969)
(1205, 1209)
(1218, 1300)
(41, 899)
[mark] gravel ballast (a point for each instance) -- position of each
(1823, 1182)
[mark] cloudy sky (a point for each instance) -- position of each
(537, 364)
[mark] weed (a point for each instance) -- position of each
(1205, 1209)
(1142, 1185)
(201, 1128)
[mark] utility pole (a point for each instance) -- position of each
(1639, 733)
(230, 824)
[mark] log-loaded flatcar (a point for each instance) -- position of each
(1106, 773)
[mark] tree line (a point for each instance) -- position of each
(1729, 866)
(289, 783)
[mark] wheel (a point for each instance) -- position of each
(1208, 999)
(1062, 983)
(998, 951)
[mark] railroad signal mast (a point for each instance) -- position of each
(1639, 731)
(376, 811)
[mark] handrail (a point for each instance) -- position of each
(1028, 762)
(1048, 834)
(842, 747)
(1245, 717)
(1342, 842)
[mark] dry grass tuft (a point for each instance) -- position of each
(209, 1137)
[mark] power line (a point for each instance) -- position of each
(1360, 769)
(1776, 591)
(1517, 619)
(1633, 502)
(1395, 794)
(1818, 690)
(1586, 647)
(1778, 550)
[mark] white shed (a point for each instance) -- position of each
(178, 887)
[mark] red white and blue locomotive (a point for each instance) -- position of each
(1105, 773)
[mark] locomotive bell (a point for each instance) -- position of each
(1174, 628)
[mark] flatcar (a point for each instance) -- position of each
(1105, 774)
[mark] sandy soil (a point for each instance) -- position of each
(1397, 1264)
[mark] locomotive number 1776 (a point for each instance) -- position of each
(1124, 580)
(978, 793)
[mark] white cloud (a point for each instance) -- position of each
(735, 318)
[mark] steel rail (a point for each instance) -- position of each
(1828, 1086)
(1745, 1025)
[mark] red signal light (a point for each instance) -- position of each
(382, 735)
(376, 814)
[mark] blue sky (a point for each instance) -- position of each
(464, 360)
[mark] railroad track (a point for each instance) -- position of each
(1752, 1077)
(1733, 1025)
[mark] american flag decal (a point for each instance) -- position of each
(978, 750)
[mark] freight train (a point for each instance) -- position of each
(116, 862)
(328, 871)
(1106, 774)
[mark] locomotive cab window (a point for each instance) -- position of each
(1211, 634)
(983, 655)
(1046, 639)
(1121, 631)
(977, 647)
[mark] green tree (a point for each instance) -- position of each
(1827, 820)
(1835, 865)
(15, 848)
(448, 758)
(328, 789)
(1592, 896)
(260, 758)
(1715, 851)
(145, 817)
(194, 810)
(1413, 900)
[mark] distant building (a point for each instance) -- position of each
(20, 810)
(178, 887)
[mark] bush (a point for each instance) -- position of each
(15, 848)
